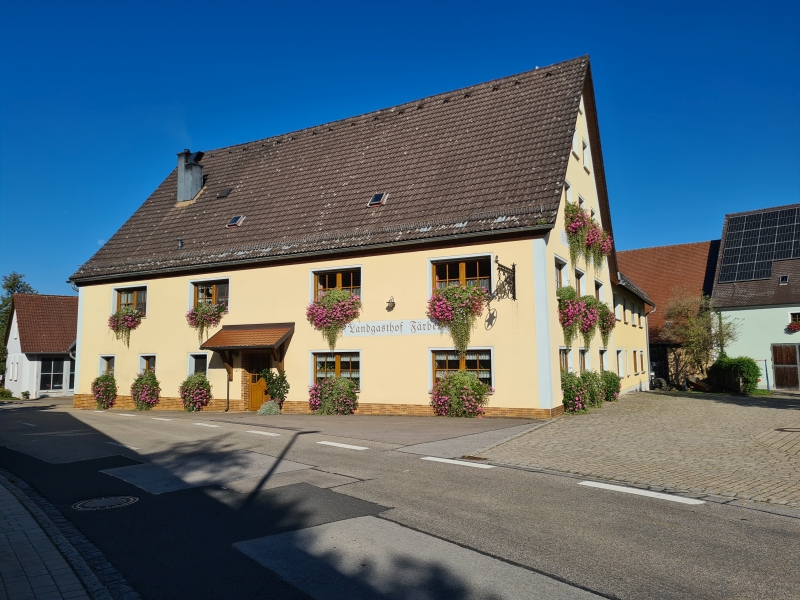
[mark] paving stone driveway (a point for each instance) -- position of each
(710, 444)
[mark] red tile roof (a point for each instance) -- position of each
(659, 271)
(47, 324)
(239, 337)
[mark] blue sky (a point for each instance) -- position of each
(699, 103)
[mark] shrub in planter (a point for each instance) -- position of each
(195, 392)
(204, 317)
(593, 387)
(104, 390)
(457, 308)
(5, 393)
(730, 369)
(277, 385)
(331, 313)
(123, 322)
(145, 390)
(611, 385)
(459, 394)
(334, 396)
(270, 407)
(26, 395)
(574, 393)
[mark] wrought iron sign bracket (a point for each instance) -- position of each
(506, 281)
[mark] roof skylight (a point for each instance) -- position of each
(378, 199)
(235, 221)
(223, 193)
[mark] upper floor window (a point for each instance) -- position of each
(338, 364)
(598, 290)
(625, 310)
(587, 156)
(134, 298)
(349, 280)
(211, 292)
(474, 361)
(469, 272)
(578, 282)
(568, 191)
(617, 308)
(795, 317)
(576, 144)
(560, 264)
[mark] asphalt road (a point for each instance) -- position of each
(243, 506)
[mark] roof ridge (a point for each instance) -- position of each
(391, 109)
(758, 210)
(38, 295)
(666, 246)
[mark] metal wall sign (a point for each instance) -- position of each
(381, 328)
(506, 281)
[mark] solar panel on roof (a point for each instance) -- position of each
(753, 242)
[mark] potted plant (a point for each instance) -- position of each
(205, 316)
(124, 321)
(331, 313)
(457, 308)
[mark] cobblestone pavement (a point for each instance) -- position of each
(702, 444)
(30, 565)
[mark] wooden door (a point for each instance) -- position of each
(784, 358)
(258, 387)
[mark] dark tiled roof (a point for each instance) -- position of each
(629, 285)
(663, 269)
(237, 337)
(488, 158)
(47, 324)
(760, 292)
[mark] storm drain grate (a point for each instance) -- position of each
(105, 503)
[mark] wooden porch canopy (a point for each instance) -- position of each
(261, 336)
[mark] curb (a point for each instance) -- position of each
(100, 578)
(513, 437)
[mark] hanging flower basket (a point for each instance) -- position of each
(585, 315)
(586, 238)
(590, 319)
(331, 313)
(457, 308)
(793, 327)
(204, 317)
(608, 321)
(123, 322)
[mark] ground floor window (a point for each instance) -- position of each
(52, 375)
(602, 362)
(147, 363)
(620, 371)
(71, 374)
(582, 356)
(474, 361)
(198, 363)
(635, 364)
(338, 364)
(106, 365)
(563, 359)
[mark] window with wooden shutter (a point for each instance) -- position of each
(474, 361)
(133, 298)
(467, 273)
(211, 292)
(348, 279)
(338, 364)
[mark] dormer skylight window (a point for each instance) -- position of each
(223, 193)
(235, 221)
(377, 199)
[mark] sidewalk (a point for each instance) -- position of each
(30, 565)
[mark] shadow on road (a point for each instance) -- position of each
(778, 401)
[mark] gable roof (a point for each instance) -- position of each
(768, 291)
(486, 159)
(47, 324)
(661, 269)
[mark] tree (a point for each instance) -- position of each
(701, 333)
(14, 283)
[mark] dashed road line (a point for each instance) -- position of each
(24, 423)
(463, 463)
(206, 425)
(265, 433)
(122, 445)
(160, 419)
(638, 492)
(348, 446)
(125, 415)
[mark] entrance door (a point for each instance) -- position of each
(258, 387)
(784, 357)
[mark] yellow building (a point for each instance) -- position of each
(470, 185)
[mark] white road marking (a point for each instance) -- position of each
(458, 462)
(348, 446)
(122, 445)
(125, 415)
(637, 491)
(98, 411)
(28, 424)
(264, 433)
(206, 425)
(160, 419)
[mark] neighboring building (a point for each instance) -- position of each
(757, 283)
(40, 338)
(390, 205)
(662, 272)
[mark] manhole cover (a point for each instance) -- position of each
(105, 503)
(789, 429)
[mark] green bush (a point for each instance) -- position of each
(271, 407)
(195, 392)
(145, 390)
(574, 393)
(104, 390)
(726, 370)
(593, 386)
(459, 394)
(5, 393)
(611, 385)
(334, 396)
(277, 384)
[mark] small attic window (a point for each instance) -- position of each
(235, 221)
(784, 280)
(223, 193)
(378, 199)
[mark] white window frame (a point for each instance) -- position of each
(190, 291)
(602, 290)
(604, 360)
(582, 277)
(313, 271)
(587, 357)
(568, 191)
(358, 351)
(564, 269)
(620, 365)
(431, 350)
(575, 143)
(581, 201)
(459, 257)
(570, 366)
(142, 363)
(101, 363)
(190, 362)
(119, 288)
(617, 308)
(587, 156)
